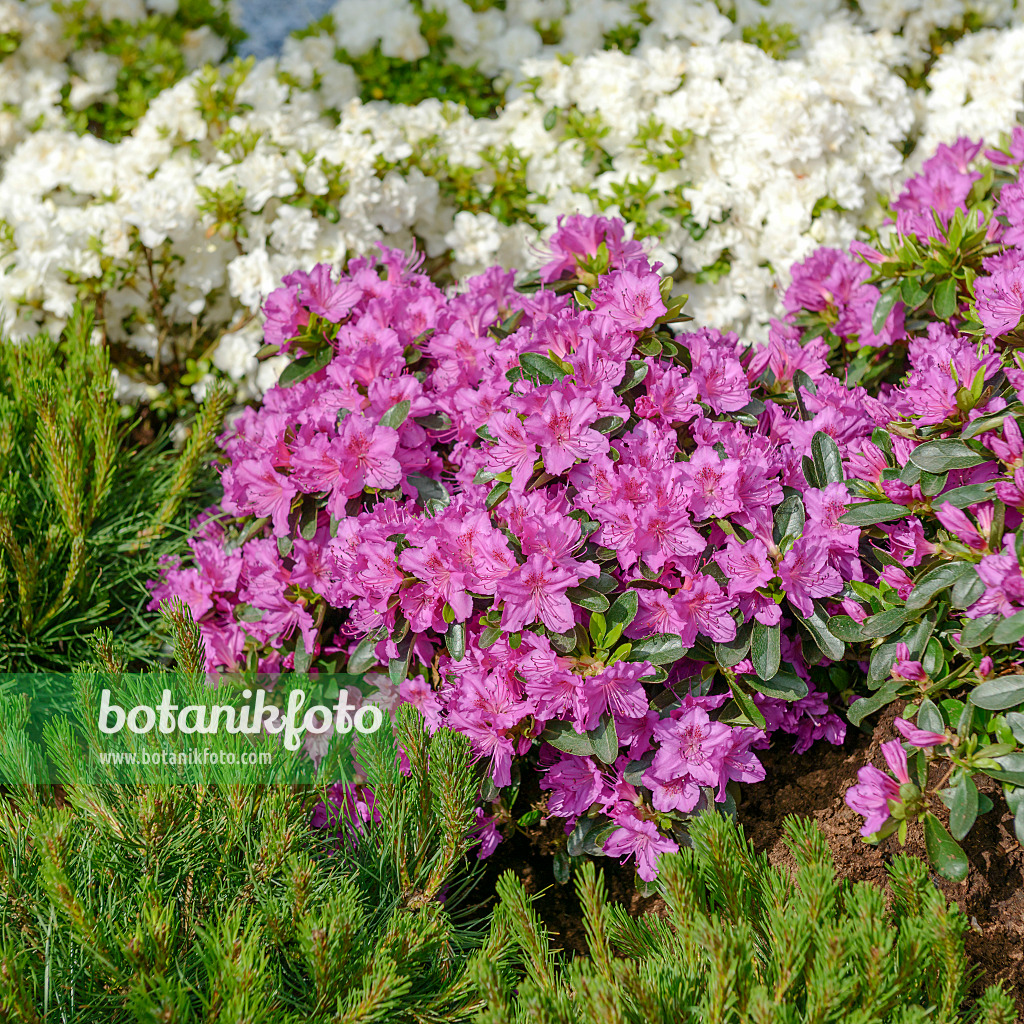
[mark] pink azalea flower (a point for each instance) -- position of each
(805, 574)
(562, 429)
(871, 795)
(641, 839)
(918, 737)
(537, 591)
(632, 300)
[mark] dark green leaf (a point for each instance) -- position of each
(636, 371)
(607, 424)
(884, 623)
(870, 512)
(497, 492)
(732, 652)
(765, 649)
(589, 599)
(979, 631)
(944, 299)
(489, 637)
(945, 455)
(536, 365)
(658, 649)
(963, 807)
(1010, 630)
(935, 581)
(817, 625)
(624, 610)
(880, 666)
(1011, 768)
(750, 710)
(563, 736)
(455, 640)
(303, 658)
(999, 694)
(883, 308)
(783, 685)
(967, 590)
(305, 367)
(860, 709)
(930, 717)
(943, 851)
(789, 518)
(846, 628)
(604, 739)
(396, 415)
(429, 490)
(364, 657)
(961, 497)
(828, 463)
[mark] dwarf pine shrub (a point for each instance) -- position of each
(84, 514)
(124, 901)
(745, 941)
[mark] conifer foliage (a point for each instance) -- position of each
(84, 514)
(741, 942)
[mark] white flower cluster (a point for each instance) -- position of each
(497, 39)
(52, 63)
(733, 164)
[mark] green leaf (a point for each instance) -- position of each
(364, 657)
(496, 493)
(884, 623)
(961, 497)
(732, 652)
(828, 463)
(563, 736)
(870, 512)
(604, 740)
(945, 455)
(860, 709)
(978, 631)
(1010, 630)
(658, 649)
(1011, 768)
(783, 685)
(845, 628)
(817, 625)
(944, 299)
(943, 851)
(930, 717)
(963, 807)
(429, 490)
(999, 694)
(536, 365)
(455, 640)
(624, 610)
(489, 637)
(789, 518)
(765, 649)
(396, 415)
(883, 308)
(589, 599)
(636, 371)
(967, 590)
(746, 704)
(607, 424)
(305, 367)
(935, 581)
(303, 658)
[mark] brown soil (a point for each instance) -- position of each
(814, 784)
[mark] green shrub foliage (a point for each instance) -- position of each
(743, 940)
(84, 513)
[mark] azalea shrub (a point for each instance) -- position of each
(549, 521)
(937, 618)
(626, 552)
